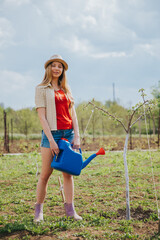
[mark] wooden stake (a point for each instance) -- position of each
(61, 189)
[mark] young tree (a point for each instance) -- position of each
(131, 122)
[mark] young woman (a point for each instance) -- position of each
(55, 107)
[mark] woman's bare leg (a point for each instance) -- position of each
(46, 171)
(68, 187)
(69, 196)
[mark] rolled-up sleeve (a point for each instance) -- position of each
(40, 100)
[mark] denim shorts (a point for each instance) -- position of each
(57, 135)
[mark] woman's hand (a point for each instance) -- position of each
(54, 147)
(76, 142)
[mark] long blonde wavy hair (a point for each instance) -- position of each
(62, 82)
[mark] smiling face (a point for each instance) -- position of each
(57, 69)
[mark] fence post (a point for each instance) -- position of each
(11, 130)
(6, 138)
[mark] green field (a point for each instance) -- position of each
(99, 199)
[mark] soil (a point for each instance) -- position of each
(137, 214)
(109, 143)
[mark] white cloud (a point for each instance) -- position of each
(6, 32)
(151, 48)
(132, 94)
(16, 89)
(16, 2)
(109, 55)
(13, 82)
(84, 47)
(107, 7)
(111, 34)
(76, 45)
(88, 22)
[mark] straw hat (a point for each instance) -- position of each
(56, 58)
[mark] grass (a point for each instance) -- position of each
(18, 136)
(99, 199)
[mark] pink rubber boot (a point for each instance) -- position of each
(38, 212)
(70, 211)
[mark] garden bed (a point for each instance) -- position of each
(99, 199)
(109, 143)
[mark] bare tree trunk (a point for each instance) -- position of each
(8, 137)
(6, 140)
(5, 131)
(127, 178)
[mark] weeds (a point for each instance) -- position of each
(99, 198)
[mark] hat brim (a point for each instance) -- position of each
(56, 60)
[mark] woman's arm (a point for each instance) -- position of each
(76, 140)
(42, 117)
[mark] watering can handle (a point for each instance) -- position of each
(55, 156)
(72, 145)
(78, 149)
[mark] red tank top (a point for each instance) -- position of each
(64, 120)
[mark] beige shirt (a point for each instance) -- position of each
(45, 97)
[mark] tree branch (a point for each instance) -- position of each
(139, 118)
(114, 117)
(130, 120)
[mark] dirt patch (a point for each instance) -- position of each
(26, 235)
(108, 143)
(138, 214)
(117, 143)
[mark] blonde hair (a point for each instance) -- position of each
(62, 82)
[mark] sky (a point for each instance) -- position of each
(104, 42)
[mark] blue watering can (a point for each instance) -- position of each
(70, 161)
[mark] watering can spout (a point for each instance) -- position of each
(87, 161)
